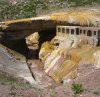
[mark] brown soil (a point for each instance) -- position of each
(87, 76)
(5, 91)
(10, 87)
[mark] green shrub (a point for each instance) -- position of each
(53, 94)
(83, 2)
(77, 88)
(30, 8)
(25, 9)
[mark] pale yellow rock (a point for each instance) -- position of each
(62, 61)
(62, 70)
(32, 39)
(45, 50)
(56, 63)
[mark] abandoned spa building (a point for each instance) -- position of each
(79, 22)
(93, 32)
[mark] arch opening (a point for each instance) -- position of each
(89, 33)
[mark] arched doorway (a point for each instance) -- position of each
(98, 37)
(89, 33)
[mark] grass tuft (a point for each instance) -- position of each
(77, 88)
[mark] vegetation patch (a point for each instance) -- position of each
(77, 88)
(13, 91)
(30, 8)
(9, 80)
(96, 91)
(53, 94)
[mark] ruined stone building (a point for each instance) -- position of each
(91, 32)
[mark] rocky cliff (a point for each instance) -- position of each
(61, 62)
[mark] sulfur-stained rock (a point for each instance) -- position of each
(45, 50)
(61, 61)
(59, 65)
(32, 40)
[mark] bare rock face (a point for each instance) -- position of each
(32, 40)
(46, 50)
(15, 64)
(61, 62)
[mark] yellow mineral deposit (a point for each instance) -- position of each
(33, 40)
(59, 72)
(28, 20)
(81, 17)
(63, 60)
(45, 50)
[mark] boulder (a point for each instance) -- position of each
(32, 40)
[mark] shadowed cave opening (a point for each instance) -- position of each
(45, 35)
(21, 46)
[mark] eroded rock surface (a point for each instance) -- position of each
(65, 57)
(32, 40)
(15, 64)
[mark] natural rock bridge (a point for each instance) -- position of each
(78, 36)
(14, 32)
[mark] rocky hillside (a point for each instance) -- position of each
(14, 9)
